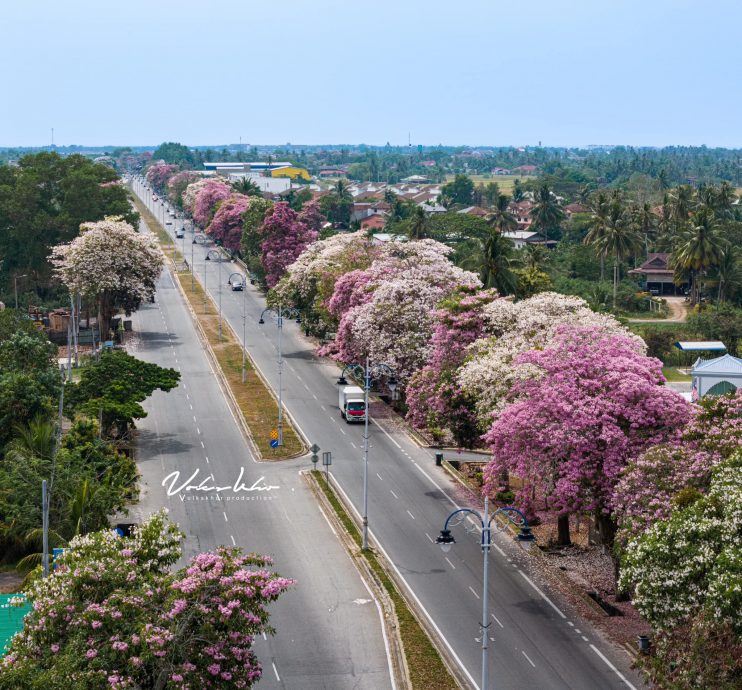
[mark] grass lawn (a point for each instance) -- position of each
(672, 374)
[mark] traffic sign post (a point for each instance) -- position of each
(274, 438)
(315, 458)
(327, 461)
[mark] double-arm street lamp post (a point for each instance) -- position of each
(370, 371)
(525, 539)
(279, 313)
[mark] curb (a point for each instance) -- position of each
(397, 658)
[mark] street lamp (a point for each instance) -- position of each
(280, 313)
(368, 372)
(244, 321)
(525, 539)
(15, 284)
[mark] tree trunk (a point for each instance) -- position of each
(615, 283)
(602, 269)
(563, 537)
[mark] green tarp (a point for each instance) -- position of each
(11, 618)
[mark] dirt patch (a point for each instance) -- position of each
(10, 582)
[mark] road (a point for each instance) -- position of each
(538, 641)
(328, 627)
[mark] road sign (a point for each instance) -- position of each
(315, 459)
(327, 458)
(274, 434)
(274, 443)
(315, 448)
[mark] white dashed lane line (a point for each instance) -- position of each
(527, 657)
(471, 589)
(226, 519)
(497, 620)
(410, 514)
(449, 563)
(393, 494)
(234, 543)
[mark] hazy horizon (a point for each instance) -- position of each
(566, 73)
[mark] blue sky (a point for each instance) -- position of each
(564, 72)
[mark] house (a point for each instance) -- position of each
(374, 222)
(293, 172)
(501, 171)
(520, 238)
(569, 209)
(417, 179)
(475, 211)
(428, 164)
(333, 172)
(657, 276)
(716, 376)
(524, 170)
(433, 208)
(521, 211)
(384, 237)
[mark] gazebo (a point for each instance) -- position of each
(716, 376)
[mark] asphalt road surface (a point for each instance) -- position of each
(538, 641)
(329, 632)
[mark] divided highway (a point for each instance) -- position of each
(329, 632)
(538, 641)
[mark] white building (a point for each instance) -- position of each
(716, 376)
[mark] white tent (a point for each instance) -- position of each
(716, 376)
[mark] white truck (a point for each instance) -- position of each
(352, 404)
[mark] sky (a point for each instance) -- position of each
(470, 72)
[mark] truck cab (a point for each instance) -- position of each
(352, 404)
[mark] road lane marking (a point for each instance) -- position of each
(548, 601)
(497, 620)
(278, 678)
(226, 519)
(194, 417)
(393, 494)
(410, 514)
(584, 638)
(207, 459)
(611, 666)
(527, 657)
(578, 631)
(353, 444)
(234, 543)
(571, 623)
(429, 537)
(379, 476)
(198, 431)
(449, 563)
(314, 396)
(202, 445)
(342, 431)
(471, 589)
(387, 433)
(264, 637)
(189, 405)
(324, 409)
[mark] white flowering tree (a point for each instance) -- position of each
(111, 263)
(513, 328)
(686, 572)
(115, 615)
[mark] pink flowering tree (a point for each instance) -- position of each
(595, 405)
(113, 615)
(177, 185)
(207, 198)
(158, 175)
(435, 401)
(191, 192)
(226, 225)
(284, 237)
(385, 311)
(678, 470)
(309, 283)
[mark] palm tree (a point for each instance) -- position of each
(498, 262)
(681, 204)
(418, 228)
(619, 240)
(535, 256)
(247, 187)
(546, 213)
(342, 192)
(699, 248)
(729, 272)
(596, 232)
(613, 234)
(501, 219)
(644, 221)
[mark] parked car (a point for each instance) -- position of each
(179, 233)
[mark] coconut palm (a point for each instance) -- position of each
(498, 262)
(501, 219)
(247, 187)
(681, 203)
(546, 213)
(728, 273)
(699, 248)
(418, 228)
(597, 227)
(644, 221)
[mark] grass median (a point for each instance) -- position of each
(425, 665)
